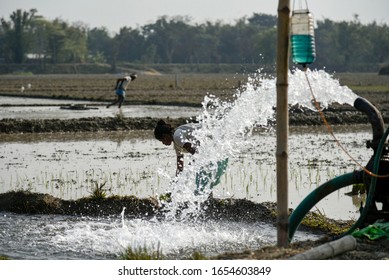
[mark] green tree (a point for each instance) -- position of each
(378, 35)
(55, 40)
(39, 40)
(326, 39)
(66, 44)
(265, 44)
(128, 44)
(167, 35)
(351, 46)
(237, 42)
(17, 35)
(340, 46)
(75, 44)
(206, 43)
(99, 45)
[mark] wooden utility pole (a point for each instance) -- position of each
(282, 119)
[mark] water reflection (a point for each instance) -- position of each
(34, 108)
(132, 163)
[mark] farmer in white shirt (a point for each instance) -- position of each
(185, 141)
(120, 89)
(182, 137)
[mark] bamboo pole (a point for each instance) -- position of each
(282, 119)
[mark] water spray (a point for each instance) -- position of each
(375, 175)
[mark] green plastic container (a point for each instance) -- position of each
(302, 37)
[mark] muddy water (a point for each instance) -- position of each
(70, 166)
(36, 108)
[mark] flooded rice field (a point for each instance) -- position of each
(133, 163)
(70, 166)
(38, 108)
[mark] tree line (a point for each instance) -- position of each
(341, 46)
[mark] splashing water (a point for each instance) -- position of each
(225, 133)
(226, 126)
(327, 90)
(62, 237)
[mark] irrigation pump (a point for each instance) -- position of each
(375, 176)
(376, 173)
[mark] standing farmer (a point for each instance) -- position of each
(120, 89)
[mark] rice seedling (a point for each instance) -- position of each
(141, 253)
(99, 192)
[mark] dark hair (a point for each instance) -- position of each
(161, 129)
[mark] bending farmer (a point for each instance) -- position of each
(120, 89)
(185, 142)
(182, 138)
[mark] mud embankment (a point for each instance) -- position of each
(10, 126)
(334, 116)
(24, 202)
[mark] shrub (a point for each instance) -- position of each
(384, 70)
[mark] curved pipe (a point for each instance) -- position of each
(335, 184)
(378, 143)
(375, 118)
(370, 194)
(318, 194)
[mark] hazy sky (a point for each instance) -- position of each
(115, 14)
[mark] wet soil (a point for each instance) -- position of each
(10, 126)
(24, 202)
(174, 90)
(335, 115)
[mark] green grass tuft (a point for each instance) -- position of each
(141, 254)
(99, 192)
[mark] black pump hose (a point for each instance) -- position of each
(375, 118)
